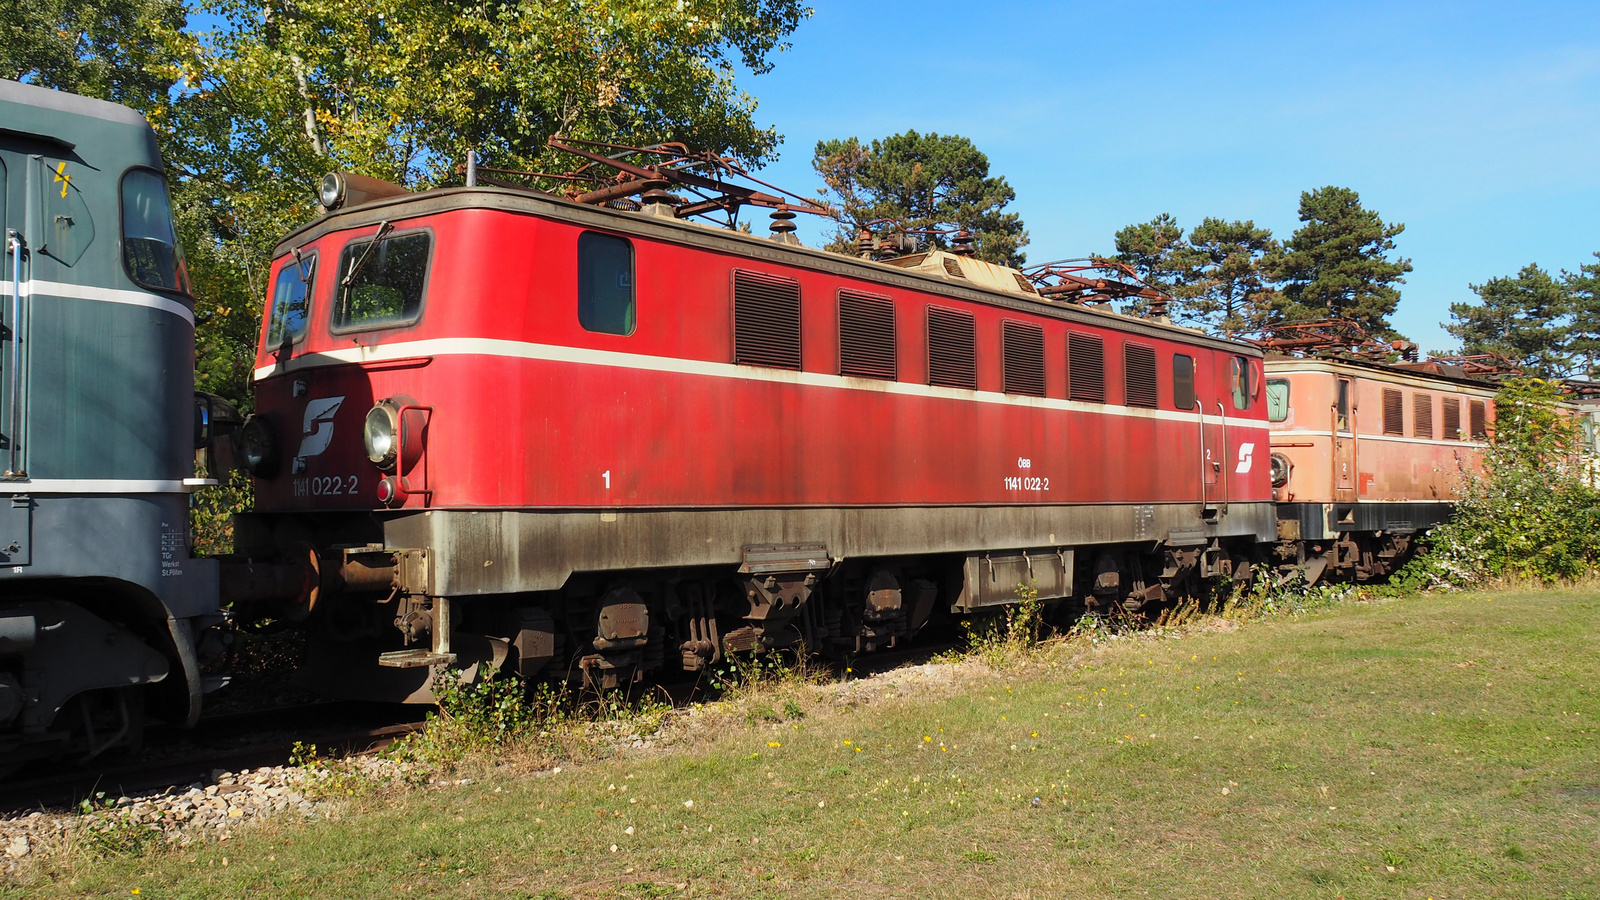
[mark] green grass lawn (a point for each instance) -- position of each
(1430, 747)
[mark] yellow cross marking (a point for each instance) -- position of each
(64, 178)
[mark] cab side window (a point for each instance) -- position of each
(1277, 399)
(1182, 381)
(605, 283)
(1243, 390)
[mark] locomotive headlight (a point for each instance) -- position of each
(258, 448)
(393, 433)
(331, 192)
(1280, 470)
(382, 434)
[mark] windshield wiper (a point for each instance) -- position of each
(355, 267)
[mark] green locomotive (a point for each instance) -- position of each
(104, 614)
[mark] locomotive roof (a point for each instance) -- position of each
(61, 101)
(692, 234)
(1390, 370)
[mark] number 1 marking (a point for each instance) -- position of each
(607, 476)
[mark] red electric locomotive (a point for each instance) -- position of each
(502, 428)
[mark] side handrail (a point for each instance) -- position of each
(1227, 493)
(14, 244)
(402, 488)
(1200, 407)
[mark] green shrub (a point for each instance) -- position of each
(1529, 515)
(211, 512)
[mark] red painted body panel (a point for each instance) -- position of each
(1401, 466)
(532, 411)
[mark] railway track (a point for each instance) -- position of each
(250, 739)
(228, 742)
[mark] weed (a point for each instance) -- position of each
(329, 778)
(757, 715)
(484, 719)
(758, 672)
(1011, 635)
(1267, 596)
(1097, 628)
(108, 831)
(977, 856)
(479, 717)
(1024, 619)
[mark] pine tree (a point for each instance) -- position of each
(1520, 318)
(1223, 287)
(922, 182)
(1337, 266)
(1156, 250)
(1583, 334)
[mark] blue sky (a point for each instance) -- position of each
(1475, 124)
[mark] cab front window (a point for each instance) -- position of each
(291, 301)
(150, 249)
(382, 281)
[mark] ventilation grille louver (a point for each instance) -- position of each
(952, 340)
(1139, 365)
(1086, 368)
(866, 336)
(1023, 284)
(766, 321)
(1478, 417)
(953, 268)
(1452, 419)
(1394, 412)
(1024, 358)
(1422, 415)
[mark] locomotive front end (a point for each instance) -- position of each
(104, 614)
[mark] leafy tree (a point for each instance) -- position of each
(1520, 318)
(1336, 265)
(922, 182)
(1222, 287)
(279, 93)
(1156, 250)
(100, 48)
(1583, 333)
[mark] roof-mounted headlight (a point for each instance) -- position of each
(258, 447)
(331, 193)
(341, 189)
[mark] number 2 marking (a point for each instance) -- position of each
(607, 476)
